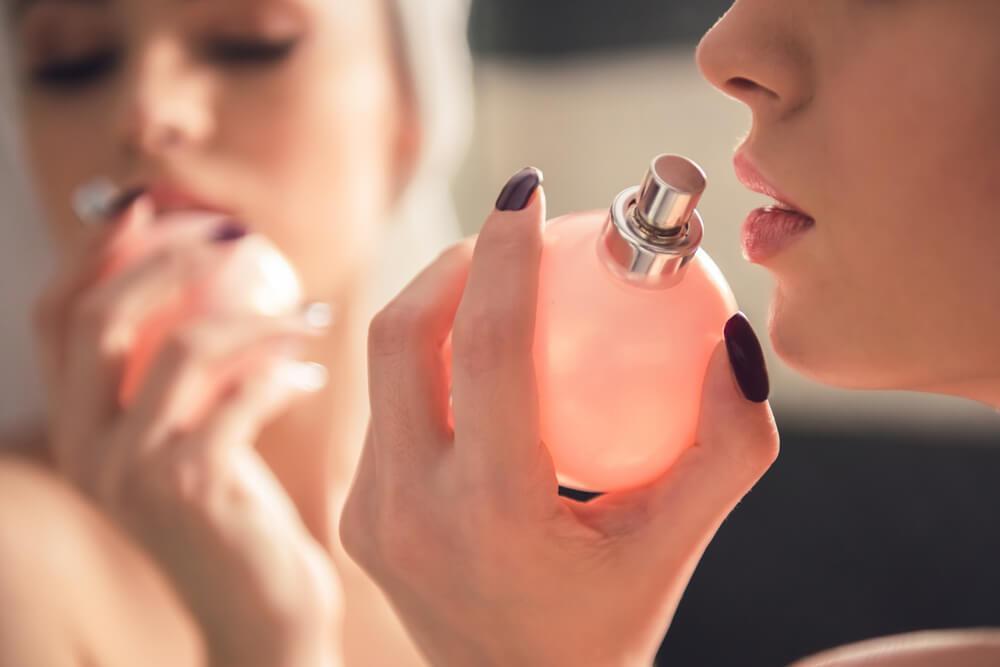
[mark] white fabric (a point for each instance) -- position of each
(439, 67)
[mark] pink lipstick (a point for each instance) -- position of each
(170, 198)
(770, 229)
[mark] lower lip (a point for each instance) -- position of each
(768, 231)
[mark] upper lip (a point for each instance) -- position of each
(751, 178)
(169, 197)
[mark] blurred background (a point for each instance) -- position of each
(879, 516)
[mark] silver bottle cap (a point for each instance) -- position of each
(654, 230)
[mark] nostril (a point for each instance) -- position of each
(742, 88)
(739, 84)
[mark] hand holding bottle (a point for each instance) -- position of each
(463, 528)
(173, 463)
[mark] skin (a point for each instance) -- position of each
(462, 527)
(176, 105)
(878, 119)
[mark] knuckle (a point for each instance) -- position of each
(188, 482)
(167, 478)
(482, 524)
(507, 241)
(769, 447)
(759, 451)
(185, 481)
(458, 252)
(181, 347)
(172, 258)
(392, 534)
(481, 342)
(398, 547)
(354, 534)
(392, 330)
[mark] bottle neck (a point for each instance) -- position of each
(643, 255)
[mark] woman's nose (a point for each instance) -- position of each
(755, 55)
(166, 103)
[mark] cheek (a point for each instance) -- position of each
(60, 156)
(918, 153)
(324, 173)
(904, 264)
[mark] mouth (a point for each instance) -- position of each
(770, 229)
(170, 198)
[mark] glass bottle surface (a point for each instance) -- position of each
(620, 367)
(256, 280)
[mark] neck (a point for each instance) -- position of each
(313, 448)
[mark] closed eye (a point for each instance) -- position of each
(249, 52)
(75, 72)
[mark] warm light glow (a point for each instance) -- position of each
(620, 368)
(258, 279)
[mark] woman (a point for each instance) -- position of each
(876, 125)
(137, 538)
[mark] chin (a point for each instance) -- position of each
(830, 352)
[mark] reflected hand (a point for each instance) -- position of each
(175, 467)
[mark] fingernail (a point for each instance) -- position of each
(122, 202)
(304, 376)
(90, 200)
(517, 193)
(318, 315)
(229, 231)
(747, 359)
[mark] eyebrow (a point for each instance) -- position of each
(17, 8)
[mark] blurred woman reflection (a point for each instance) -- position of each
(125, 539)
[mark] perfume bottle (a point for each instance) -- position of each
(630, 308)
(256, 280)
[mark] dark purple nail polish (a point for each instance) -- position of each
(229, 231)
(747, 359)
(122, 202)
(517, 193)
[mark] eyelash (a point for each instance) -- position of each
(73, 73)
(79, 72)
(248, 52)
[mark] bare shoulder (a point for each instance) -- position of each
(34, 499)
(62, 561)
(978, 647)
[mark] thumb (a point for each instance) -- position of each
(736, 430)
(737, 441)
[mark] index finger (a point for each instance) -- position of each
(494, 392)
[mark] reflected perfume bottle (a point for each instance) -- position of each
(257, 279)
(630, 309)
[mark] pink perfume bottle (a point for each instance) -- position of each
(630, 308)
(257, 280)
